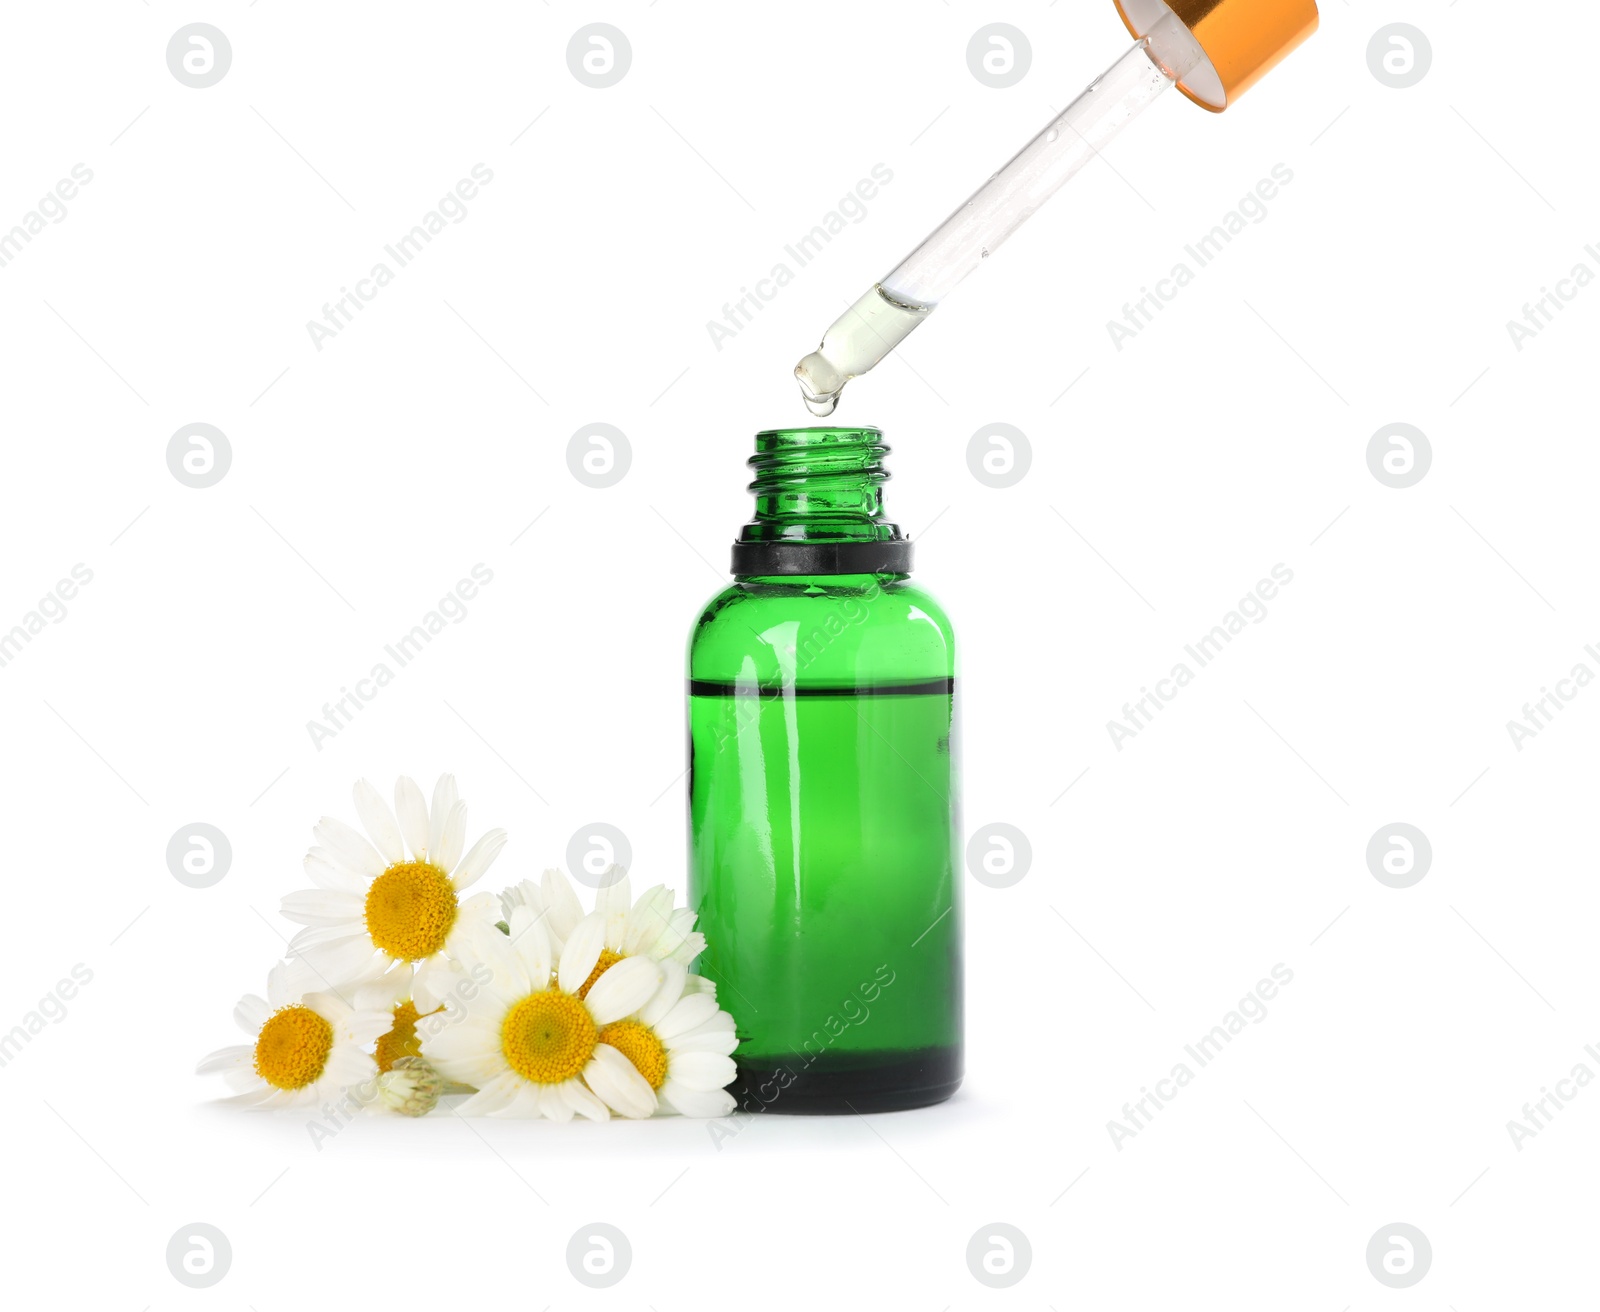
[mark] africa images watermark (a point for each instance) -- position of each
(51, 208)
(338, 1114)
(451, 609)
(855, 1009)
(51, 1008)
(851, 209)
(51, 608)
(1539, 714)
(1251, 1009)
(1251, 210)
(451, 208)
(1538, 1114)
(1540, 314)
(807, 645)
(1251, 609)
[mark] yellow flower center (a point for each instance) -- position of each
(293, 1047)
(638, 1043)
(548, 1037)
(401, 1040)
(410, 909)
(608, 959)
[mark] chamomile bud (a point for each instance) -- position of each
(410, 1087)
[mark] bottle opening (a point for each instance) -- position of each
(819, 506)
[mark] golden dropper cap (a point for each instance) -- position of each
(1242, 40)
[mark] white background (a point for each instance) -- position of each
(1229, 436)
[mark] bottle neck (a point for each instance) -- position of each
(819, 506)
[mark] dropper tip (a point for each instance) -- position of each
(820, 384)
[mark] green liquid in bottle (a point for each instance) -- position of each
(824, 795)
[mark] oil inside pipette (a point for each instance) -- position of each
(857, 341)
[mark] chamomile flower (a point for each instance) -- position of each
(527, 1041)
(680, 1042)
(304, 1049)
(651, 927)
(390, 901)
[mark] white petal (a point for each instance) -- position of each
(702, 1070)
(690, 1012)
(337, 965)
(476, 919)
(324, 873)
(463, 1042)
(524, 1104)
(524, 893)
(673, 979)
(623, 989)
(479, 1071)
(444, 801)
(412, 812)
(613, 901)
(651, 914)
(386, 991)
(347, 1066)
(562, 904)
(432, 983)
(280, 981)
(681, 934)
(497, 970)
(251, 1014)
(364, 1026)
(253, 1099)
(329, 1006)
(348, 848)
(481, 906)
(696, 1102)
(318, 906)
(453, 839)
(554, 1105)
(530, 946)
(581, 953)
(693, 944)
(479, 859)
(480, 948)
(493, 1096)
(480, 1014)
(674, 929)
(377, 818)
(242, 1078)
(316, 935)
(582, 1100)
(224, 1059)
(720, 1041)
(603, 1079)
(614, 1079)
(720, 1023)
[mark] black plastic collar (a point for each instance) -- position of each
(758, 559)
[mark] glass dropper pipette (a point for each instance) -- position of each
(1211, 49)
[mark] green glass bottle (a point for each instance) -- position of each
(824, 793)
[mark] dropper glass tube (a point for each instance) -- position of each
(904, 298)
